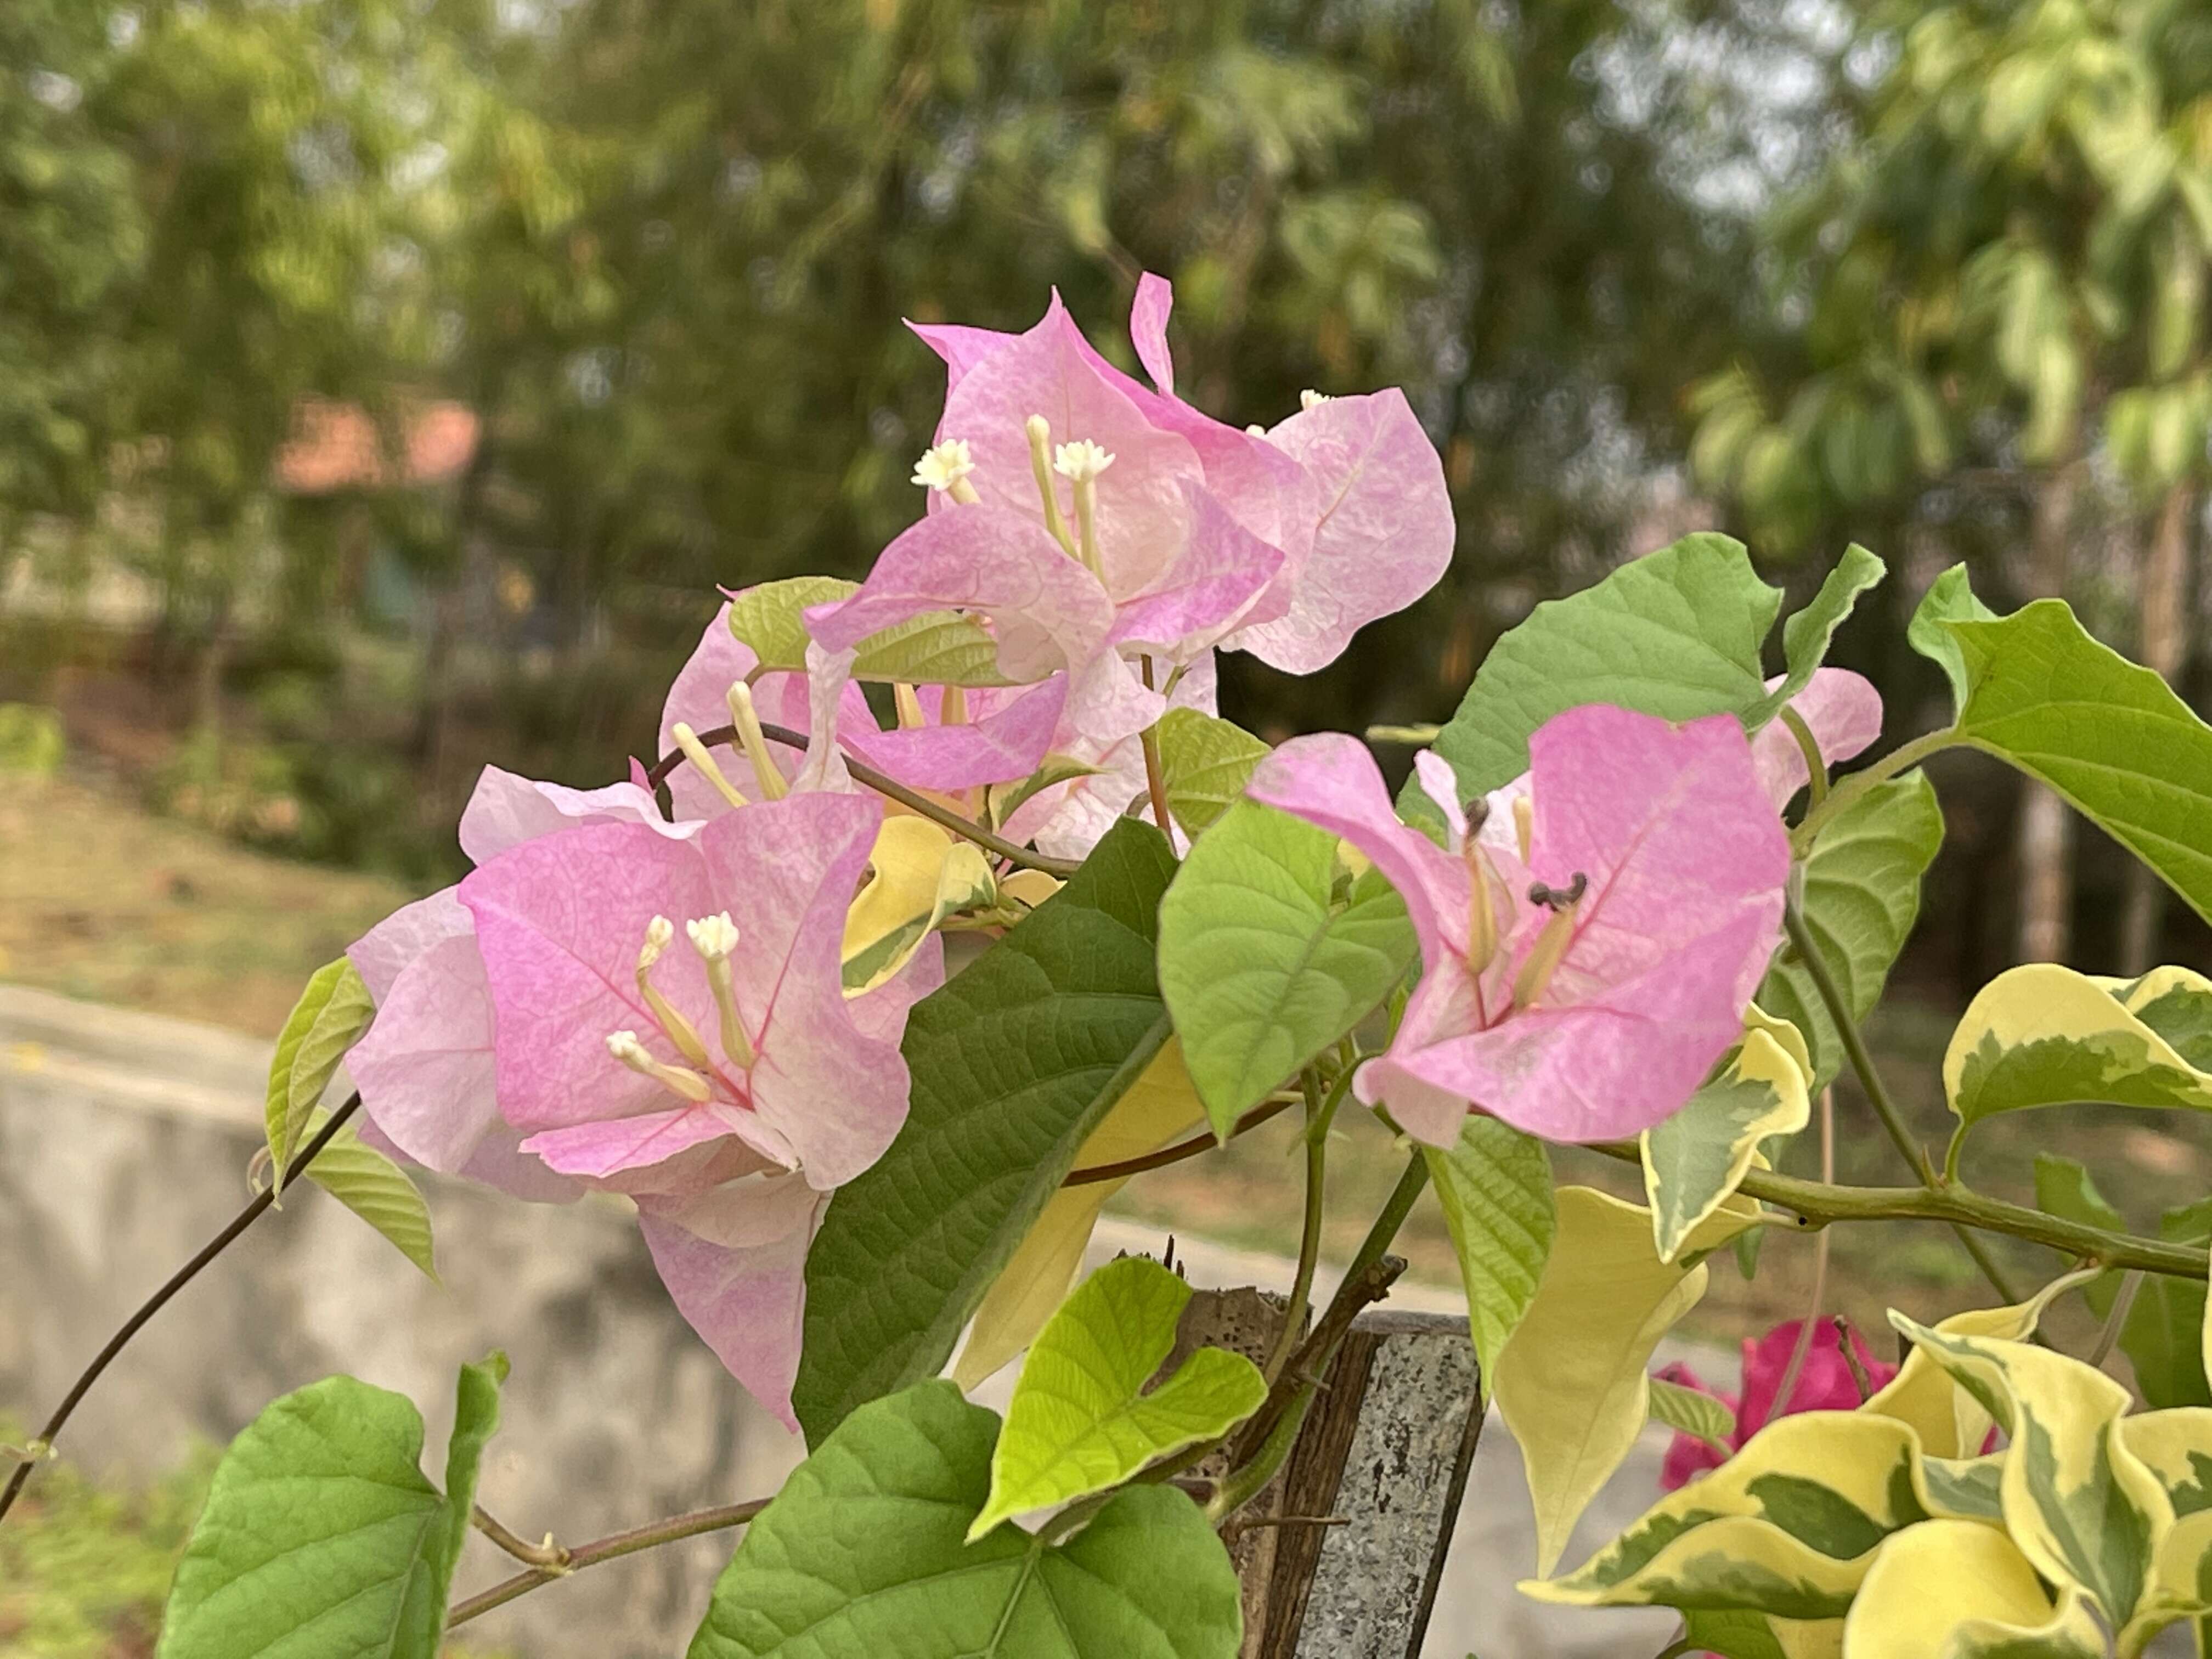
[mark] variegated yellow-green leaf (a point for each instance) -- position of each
(1693, 1160)
(1950, 1422)
(1204, 763)
(1494, 1186)
(2045, 1035)
(1957, 1589)
(2181, 1580)
(1077, 1424)
(1733, 1561)
(1694, 1412)
(330, 1017)
(1965, 1488)
(2085, 1510)
(2162, 1330)
(1160, 1106)
(377, 1190)
(770, 618)
(1570, 1381)
(2176, 1446)
(922, 875)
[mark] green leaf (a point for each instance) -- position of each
(1676, 633)
(938, 648)
(330, 1017)
(1079, 1421)
(1862, 896)
(1007, 799)
(1733, 1635)
(1806, 635)
(379, 1192)
(2064, 1187)
(1015, 1060)
(1495, 1188)
(1261, 970)
(322, 1539)
(865, 1552)
(2110, 736)
(2163, 1336)
(1949, 598)
(1204, 761)
(1691, 1411)
(1693, 1160)
(770, 619)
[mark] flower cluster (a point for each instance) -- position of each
(701, 1007)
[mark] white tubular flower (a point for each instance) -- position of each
(1308, 397)
(658, 933)
(1082, 460)
(945, 467)
(712, 937)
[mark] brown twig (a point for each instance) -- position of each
(1125, 1167)
(669, 1531)
(154, 1303)
(548, 1557)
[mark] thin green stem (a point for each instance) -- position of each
(669, 1531)
(2122, 1304)
(1816, 768)
(1840, 799)
(1155, 775)
(1803, 1347)
(1295, 1312)
(935, 812)
(1821, 1204)
(1877, 1093)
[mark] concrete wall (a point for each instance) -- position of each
(124, 1144)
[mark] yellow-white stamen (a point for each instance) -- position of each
(625, 1047)
(1482, 908)
(953, 711)
(908, 702)
(715, 938)
(688, 742)
(1543, 961)
(746, 719)
(1524, 824)
(1255, 430)
(1040, 437)
(945, 467)
(681, 1032)
(1309, 397)
(1081, 462)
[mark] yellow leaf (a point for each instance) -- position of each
(922, 874)
(1571, 1382)
(1951, 1590)
(1950, 1422)
(1032, 887)
(1160, 1106)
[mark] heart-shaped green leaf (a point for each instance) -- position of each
(1204, 763)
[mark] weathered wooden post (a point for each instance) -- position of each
(1341, 1553)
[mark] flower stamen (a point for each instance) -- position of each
(1481, 900)
(1040, 437)
(1309, 398)
(746, 719)
(953, 711)
(908, 702)
(1081, 462)
(945, 467)
(681, 1032)
(1524, 824)
(688, 742)
(715, 938)
(625, 1047)
(1564, 904)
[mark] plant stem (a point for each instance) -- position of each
(153, 1304)
(1316, 1151)
(1862, 782)
(1877, 1091)
(2122, 1304)
(669, 1531)
(1203, 1142)
(1821, 1204)
(1155, 778)
(1803, 1347)
(548, 1557)
(1816, 769)
(913, 800)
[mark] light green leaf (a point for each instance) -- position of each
(1015, 1062)
(938, 648)
(1204, 761)
(2163, 1336)
(2042, 1035)
(1079, 1421)
(865, 1552)
(1806, 634)
(1676, 633)
(329, 1018)
(1747, 1634)
(377, 1190)
(322, 1537)
(1862, 896)
(1693, 1160)
(1949, 598)
(1262, 967)
(1692, 1411)
(770, 620)
(2064, 1187)
(1495, 1188)
(2110, 736)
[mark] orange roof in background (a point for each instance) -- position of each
(334, 446)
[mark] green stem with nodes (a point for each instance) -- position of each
(255, 1208)
(891, 789)
(1877, 1093)
(1821, 1204)
(1862, 782)
(1316, 1151)
(669, 1531)
(1816, 769)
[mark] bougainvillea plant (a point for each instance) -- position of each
(1624, 901)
